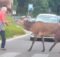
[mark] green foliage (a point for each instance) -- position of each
(22, 7)
(55, 6)
(13, 29)
(40, 6)
(15, 3)
(10, 18)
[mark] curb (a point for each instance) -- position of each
(28, 33)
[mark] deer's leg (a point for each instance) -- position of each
(53, 45)
(32, 43)
(43, 44)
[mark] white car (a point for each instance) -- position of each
(49, 18)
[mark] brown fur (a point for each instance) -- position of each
(42, 29)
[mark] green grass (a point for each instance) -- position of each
(13, 29)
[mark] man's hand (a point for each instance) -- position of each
(7, 23)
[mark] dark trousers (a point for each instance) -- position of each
(2, 33)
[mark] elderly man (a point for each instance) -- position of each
(3, 11)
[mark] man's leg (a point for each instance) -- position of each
(3, 39)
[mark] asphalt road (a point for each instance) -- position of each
(19, 48)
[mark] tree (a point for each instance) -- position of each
(41, 6)
(21, 7)
(15, 3)
(55, 6)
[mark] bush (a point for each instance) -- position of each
(13, 29)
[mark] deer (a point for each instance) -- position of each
(41, 29)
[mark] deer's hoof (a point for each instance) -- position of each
(43, 50)
(29, 50)
(49, 50)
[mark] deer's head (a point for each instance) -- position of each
(25, 23)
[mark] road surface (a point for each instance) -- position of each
(19, 48)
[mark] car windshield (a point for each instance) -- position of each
(48, 19)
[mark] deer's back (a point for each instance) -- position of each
(43, 28)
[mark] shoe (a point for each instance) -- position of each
(3, 48)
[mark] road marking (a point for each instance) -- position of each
(40, 55)
(10, 54)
